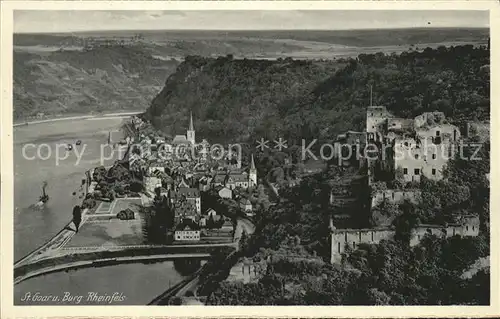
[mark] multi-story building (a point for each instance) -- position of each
(237, 180)
(414, 147)
(191, 195)
(414, 158)
(184, 211)
(243, 179)
(186, 233)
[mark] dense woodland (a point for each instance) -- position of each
(295, 234)
(241, 100)
(389, 273)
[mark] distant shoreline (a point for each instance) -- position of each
(104, 31)
(78, 117)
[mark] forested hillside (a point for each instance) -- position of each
(239, 100)
(291, 250)
(105, 78)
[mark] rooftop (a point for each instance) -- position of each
(188, 192)
(245, 201)
(180, 139)
(219, 178)
(238, 177)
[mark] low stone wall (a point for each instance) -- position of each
(342, 238)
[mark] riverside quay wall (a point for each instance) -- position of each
(343, 238)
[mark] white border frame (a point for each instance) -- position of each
(7, 308)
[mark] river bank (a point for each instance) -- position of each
(49, 119)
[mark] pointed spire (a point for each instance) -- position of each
(371, 95)
(191, 126)
(252, 163)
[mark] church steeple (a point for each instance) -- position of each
(190, 132)
(252, 164)
(252, 173)
(191, 126)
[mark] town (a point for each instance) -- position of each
(180, 179)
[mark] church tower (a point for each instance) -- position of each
(252, 174)
(190, 132)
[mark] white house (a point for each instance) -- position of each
(246, 205)
(151, 183)
(187, 234)
(225, 192)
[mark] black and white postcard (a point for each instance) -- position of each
(170, 154)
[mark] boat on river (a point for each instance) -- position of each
(44, 197)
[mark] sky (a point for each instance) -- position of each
(73, 21)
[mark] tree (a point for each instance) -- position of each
(377, 297)
(384, 213)
(243, 243)
(211, 221)
(77, 217)
(406, 222)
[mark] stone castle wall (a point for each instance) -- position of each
(341, 238)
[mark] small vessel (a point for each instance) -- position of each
(78, 142)
(70, 147)
(44, 197)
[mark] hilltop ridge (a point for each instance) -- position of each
(240, 99)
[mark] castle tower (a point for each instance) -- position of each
(376, 119)
(190, 132)
(252, 174)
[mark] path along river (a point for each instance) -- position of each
(33, 227)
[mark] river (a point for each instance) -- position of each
(137, 284)
(33, 227)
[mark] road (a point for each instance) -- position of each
(190, 286)
(243, 225)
